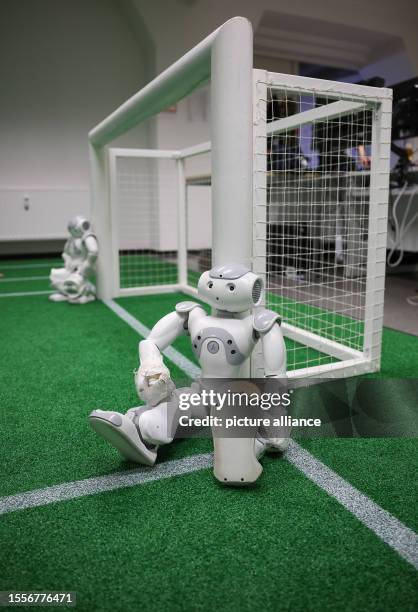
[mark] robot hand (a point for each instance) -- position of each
(153, 388)
(152, 379)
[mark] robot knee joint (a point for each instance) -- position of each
(154, 427)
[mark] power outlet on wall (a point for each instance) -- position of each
(26, 202)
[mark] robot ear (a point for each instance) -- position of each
(85, 225)
(257, 291)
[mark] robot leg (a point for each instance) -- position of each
(275, 439)
(123, 433)
(58, 297)
(236, 456)
(57, 277)
(81, 290)
(236, 460)
(274, 445)
(159, 424)
(138, 433)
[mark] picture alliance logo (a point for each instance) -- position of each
(233, 410)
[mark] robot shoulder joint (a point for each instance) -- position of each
(263, 320)
(186, 307)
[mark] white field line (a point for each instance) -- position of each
(99, 484)
(28, 266)
(384, 525)
(388, 528)
(24, 293)
(22, 278)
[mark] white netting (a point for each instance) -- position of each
(198, 217)
(146, 208)
(316, 178)
(314, 242)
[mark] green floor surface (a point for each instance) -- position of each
(183, 543)
(189, 544)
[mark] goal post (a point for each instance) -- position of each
(224, 59)
(296, 189)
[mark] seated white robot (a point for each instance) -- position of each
(223, 343)
(73, 282)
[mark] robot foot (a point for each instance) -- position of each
(273, 445)
(236, 461)
(58, 297)
(84, 299)
(121, 432)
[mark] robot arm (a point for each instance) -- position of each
(92, 251)
(153, 377)
(267, 326)
(274, 352)
(66, 254)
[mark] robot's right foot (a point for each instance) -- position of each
(58, 297)
(235, 461)
(121, 432)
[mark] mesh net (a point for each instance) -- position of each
(199, 226)
(146, 193)
(315, 176)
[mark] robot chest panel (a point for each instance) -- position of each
(221, 341)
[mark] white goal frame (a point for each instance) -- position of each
(225, 59)
(238, 134)
(348, 98)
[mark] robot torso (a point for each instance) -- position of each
(221, 344)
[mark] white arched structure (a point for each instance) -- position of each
(316, 236)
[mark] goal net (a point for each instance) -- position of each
(321, 165)
(144, 220)
(293, 184)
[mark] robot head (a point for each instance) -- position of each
(78, 226)
(231, 287)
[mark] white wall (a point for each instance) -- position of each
(64, 66)
(187, 126)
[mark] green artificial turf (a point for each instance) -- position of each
(17, 286)
(399, 355)
(184, 543)
(17, 277)
(59, 362)
(10, 264)
(383, 469)
(187, 543)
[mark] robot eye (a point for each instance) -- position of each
(231, 287)
(210, 285)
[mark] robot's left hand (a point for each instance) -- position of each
(152, 387)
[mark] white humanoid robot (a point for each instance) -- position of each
(222, 343)
(73, 282)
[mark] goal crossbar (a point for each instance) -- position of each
(225, 58)
(327, 111)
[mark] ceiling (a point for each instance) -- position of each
(315, 41)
